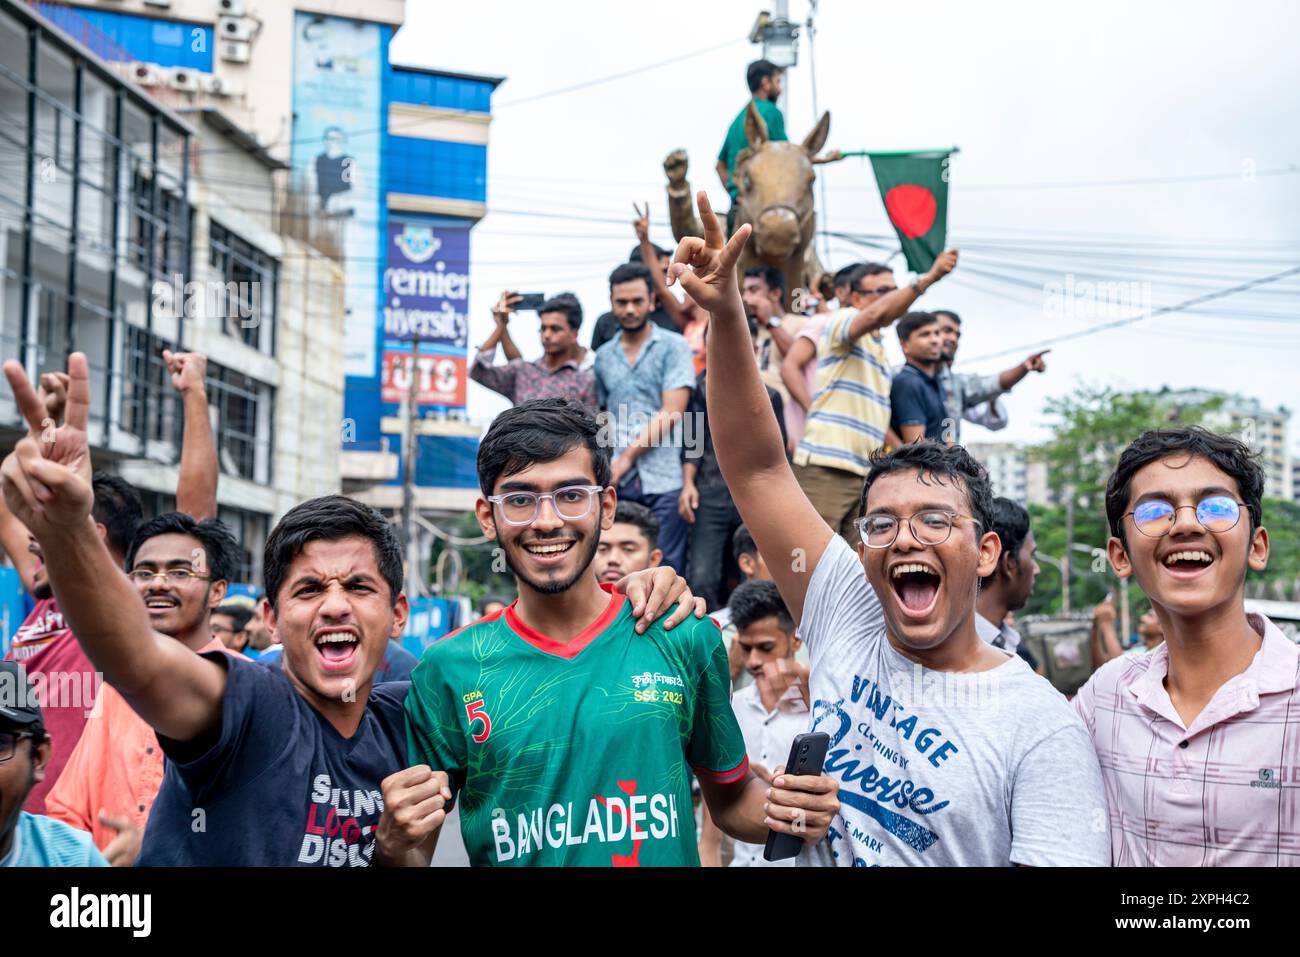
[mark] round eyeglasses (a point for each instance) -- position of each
(931, 526)
(570, 503)
(1216, 513)
(174, 576)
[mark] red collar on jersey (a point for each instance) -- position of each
(572, 647)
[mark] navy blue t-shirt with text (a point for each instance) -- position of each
(280, 786)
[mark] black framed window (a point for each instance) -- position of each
(249, 276)
(245, 411)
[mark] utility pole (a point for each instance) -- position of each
(408, 474)
(1069, 546)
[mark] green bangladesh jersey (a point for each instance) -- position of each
(576, 753)
(737, 140)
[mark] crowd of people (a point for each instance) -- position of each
(728, 524)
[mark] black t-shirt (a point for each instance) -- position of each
(280, 786)
(607, 326)
(916, 398)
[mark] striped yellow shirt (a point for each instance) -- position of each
(850, 409)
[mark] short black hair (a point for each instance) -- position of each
(861, 271)
(844, 276)
(240, 613)
(774, 277)
(742, 543)
(118, 508)
(1223, 451)
(540, 431)
(936, 462)
(912, 321)
(949, 313)
(1011, 522)
(328, 519)
(755, 600)
(635, 255)
(567, 303)
(630, 272)
(758, 71)
(220, 547)
(632, 513)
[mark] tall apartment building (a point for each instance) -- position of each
(259, 142)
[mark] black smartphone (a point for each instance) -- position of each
(807, 754)
(531, 301)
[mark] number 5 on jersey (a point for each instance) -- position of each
(474, 711)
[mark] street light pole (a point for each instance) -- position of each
(408, 473)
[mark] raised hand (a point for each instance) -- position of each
(46, 479)
(707, 267)
(1035, 362)
(641, 225)
(54, 394)
(187, 370)
(944, 263)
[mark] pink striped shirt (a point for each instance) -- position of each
(1224, 791)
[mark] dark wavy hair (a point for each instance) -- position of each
(539, 431)
(1226, 454)
(633, 513)
(754, 600)
(220, 547)
(567, 303)
(118, 508)
(936, 462)
(328, 519)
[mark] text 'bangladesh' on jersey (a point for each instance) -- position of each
(578, 752)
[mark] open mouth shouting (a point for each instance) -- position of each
(338, 648)
(916, 585)
(1187, 563)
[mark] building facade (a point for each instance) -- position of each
(1266, 431)
(272, 146)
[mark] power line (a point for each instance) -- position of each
(1162, 310)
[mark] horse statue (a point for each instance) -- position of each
(775, 196)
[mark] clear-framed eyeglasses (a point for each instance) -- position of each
(173, 576)
(1215, 513)
(931, 526)
(571, 503)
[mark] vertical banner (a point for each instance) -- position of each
(426, 283)
(338, 115)
(914, 188)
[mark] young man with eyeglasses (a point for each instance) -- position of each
(948, 751)
(30, 840)
(1198, 739)
(181, 568)
(267, 767)
(569, 731)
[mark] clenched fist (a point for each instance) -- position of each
(415, 802)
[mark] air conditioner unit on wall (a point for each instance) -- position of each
(231, 8)
(146, 74)
(232, 51)
(217, 86)
(183, 79)
(235, 28)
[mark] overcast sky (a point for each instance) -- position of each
(1032, 93)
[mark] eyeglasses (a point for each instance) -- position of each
(9, 743)
(878, 291)
(1215, 513)
(174, 576)
(570, 503)
(931, 526)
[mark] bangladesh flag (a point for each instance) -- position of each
(914, 187)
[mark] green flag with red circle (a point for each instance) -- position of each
(914, 188)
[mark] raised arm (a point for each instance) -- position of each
(1008, 379)
(890, 306)
(789, 533)
(46, 482)
(14, 539)
(676, 311)
(801, 353)
(196, 488)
